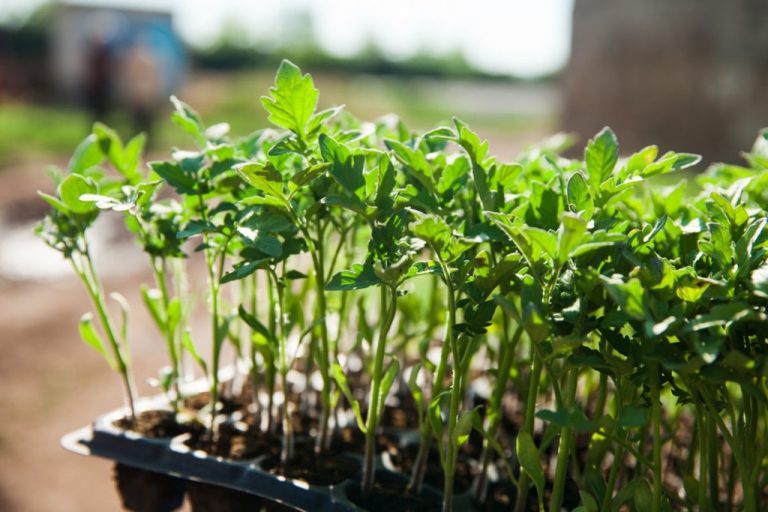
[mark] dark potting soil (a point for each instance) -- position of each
(387, 496)
(145, 491)
(155, 424)
(228, 404)
(235, 444)
(404, 457)
(326, 469)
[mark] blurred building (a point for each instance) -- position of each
(103, 56)
(690, 75)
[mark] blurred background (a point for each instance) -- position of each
(690, 75)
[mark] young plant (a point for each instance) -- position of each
(65, 229)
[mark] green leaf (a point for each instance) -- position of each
(415, 163)
(309, 174)
(124, 310)
(393, 370)
(194, 228)
(416, 391)
(544, 239)
(266, 180)
(759, 278)
(293, 100)
(54, 202)
(722, 315)
(570, 235)
(91, 337)
(346, 168)
(341, 381)
(86, 155)
(433, 230)
(643, 498)
(436, 420)
(589, 502)
(464, 426)
(356, 279)
(528, 455)
(255, 324)
(579, 197)
(188, 120)
(601, 156)
(632, 416)
(628, 295)
(243, 270)
(72, 188)
(189, 346)
(269, 245)
(173, 174)
(153, 301)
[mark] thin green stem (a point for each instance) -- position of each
(528, 421)
(506, 356)
(655, 385)
(286, 454)
(95, 291)
(372, 420)
(564, 449)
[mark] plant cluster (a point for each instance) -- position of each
(579, 322)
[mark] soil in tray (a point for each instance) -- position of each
(156, 424)
(327, 469)
(403, 458)
(234, 443)
(388, 496)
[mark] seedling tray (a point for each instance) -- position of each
(171, 456)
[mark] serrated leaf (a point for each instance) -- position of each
(265, 180)
(570, 235)
(356, 279)
(601, 155)
(189, 120)
(579, 197)
(345, 167)
(293, 100)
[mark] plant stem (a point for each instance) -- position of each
(286, 453)
(372, 420)
(316, 251)
(449, 467)
(528, 420)
(564, 449)
(95, 290)
(420, 465)
(159, 271)
(506, 354)
(655, 385)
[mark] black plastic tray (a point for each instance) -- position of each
(171, 456)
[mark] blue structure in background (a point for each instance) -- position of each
(132, 57)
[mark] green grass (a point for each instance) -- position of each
(35, 131)
(41, 132)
